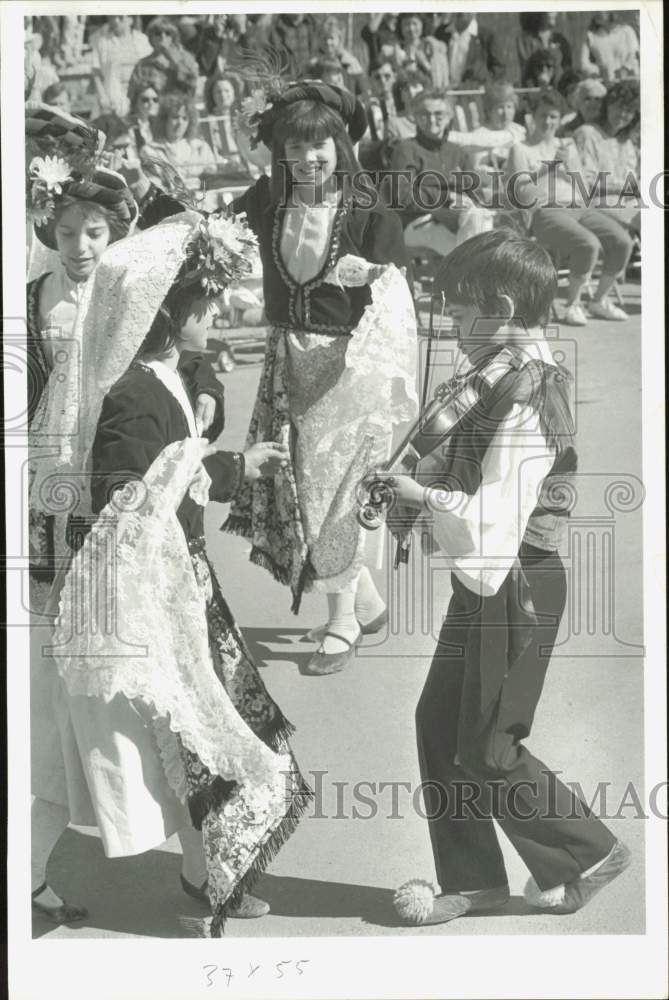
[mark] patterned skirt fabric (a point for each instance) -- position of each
(334, 401)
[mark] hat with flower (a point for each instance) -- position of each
(271, 95)
(63, 160)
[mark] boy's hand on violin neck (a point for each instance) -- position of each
(264, 459)
(406, 491)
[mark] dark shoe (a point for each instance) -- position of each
(581, 890)
(331, 663)
(249, 908)
(194, 892)
(65, 913)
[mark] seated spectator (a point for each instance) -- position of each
(380, 37)
(541, 69)
(559, 219)
(222, 94)
(433, 158)
(328, 70)
(610, 49)
(331, 47)
(409, 84)
(220, 42)
(295, 36)
(586, 99)
(144, 113)
(58, 96)
(500, 107)
(116, 49)
(420, 54)
(538, 32)
(474, 53)
(566, 88)
(190, 33)
(384, 113)
(609, 144)
(177, 140)
(169, 67)
(38, 65)
(119, 138)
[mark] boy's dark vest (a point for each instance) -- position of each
(544, 388)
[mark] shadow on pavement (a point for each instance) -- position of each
(137, 895)
(259, 641)
(142, 895)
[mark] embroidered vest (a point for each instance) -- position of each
(544, 388)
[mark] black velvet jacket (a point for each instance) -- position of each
(316, 306)
(139, 418)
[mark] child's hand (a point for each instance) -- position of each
(405, 489)
(265, 458)
(205, 411)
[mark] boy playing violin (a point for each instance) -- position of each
(490, 492)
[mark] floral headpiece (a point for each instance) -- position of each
(60, 148)
(221, 253)
(265, 74)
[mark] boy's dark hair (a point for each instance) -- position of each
(498, 263)
(166, 326)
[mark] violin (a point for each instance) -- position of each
(451, 401)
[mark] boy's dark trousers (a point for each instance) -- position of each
(471, 719)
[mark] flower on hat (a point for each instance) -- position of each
(222, 253)
(50, 171)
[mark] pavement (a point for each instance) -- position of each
(337, 873)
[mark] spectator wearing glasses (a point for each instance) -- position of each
(116, 49)
(169, 67)
(178, 142)
(585, 100)
(433, 162)
(144, 114)
(384, 110)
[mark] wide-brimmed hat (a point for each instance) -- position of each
(342, 101)
(57, 135)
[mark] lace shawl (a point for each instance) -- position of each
(132, 621)
(117, 308)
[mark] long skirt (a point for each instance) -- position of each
(115, 764)
(334, 401)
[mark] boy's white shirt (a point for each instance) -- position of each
(480, 534)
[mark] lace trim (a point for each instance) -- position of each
(146, 637)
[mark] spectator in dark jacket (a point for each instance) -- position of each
(296, 37)
(474, 54)
(538, 32)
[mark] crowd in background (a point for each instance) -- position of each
(442, 92)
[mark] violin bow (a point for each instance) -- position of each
(428, 360)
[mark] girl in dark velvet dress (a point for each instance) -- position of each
(339, 366)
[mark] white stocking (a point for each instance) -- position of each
(368, 602)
